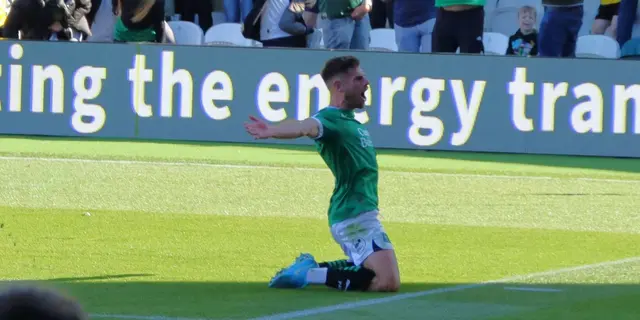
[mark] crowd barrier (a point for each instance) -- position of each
(416, 101)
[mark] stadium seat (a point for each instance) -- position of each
(631, 49)
(227, 34)
(495, 43)
(383, 39)
(631, 57)
(635, 30)
(186, 32)
(597, 46)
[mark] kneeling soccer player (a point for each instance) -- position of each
(346, 147)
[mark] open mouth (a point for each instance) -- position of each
(363, 96)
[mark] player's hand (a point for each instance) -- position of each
(360, 11)
(257, 128)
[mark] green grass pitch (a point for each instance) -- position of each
(195, 231)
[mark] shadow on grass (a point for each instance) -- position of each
(231, 300)
(629, 165)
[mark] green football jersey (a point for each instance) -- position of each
(346, 147)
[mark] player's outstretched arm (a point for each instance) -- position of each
(287, 130)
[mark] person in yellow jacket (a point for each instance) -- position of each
(607, 18)
(4, 12)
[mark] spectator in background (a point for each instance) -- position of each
(347, 24)
(524, 41)
(102, 21)
(607, 17)
(141, 21)
(236, 10)
(414, 21)
(76, 17)
(283, 25)
(310, 15)
(559, 28)
(381, 13)
(48, 20)
(626, 19)
(202, 8)
(30, 303)
(78, 10)
(459, 25)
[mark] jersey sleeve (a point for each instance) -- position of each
(327, 125)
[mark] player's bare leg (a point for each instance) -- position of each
(384, 265)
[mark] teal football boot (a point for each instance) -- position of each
(295, 275)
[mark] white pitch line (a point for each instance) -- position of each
(237, 166)
(404, 296)
(529, 289)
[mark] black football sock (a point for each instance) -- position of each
(336, 264)
(352, 278)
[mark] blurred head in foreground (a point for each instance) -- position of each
(32, 303)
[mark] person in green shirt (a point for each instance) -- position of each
(141, 21)
(346, 147)
(459, 25)
(346, 23)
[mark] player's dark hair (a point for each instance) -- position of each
(338, 65)
(31, 303)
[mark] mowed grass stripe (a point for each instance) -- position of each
(273, 167)
(431, 199)
(305, 156)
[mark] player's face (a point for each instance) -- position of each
(355, 88)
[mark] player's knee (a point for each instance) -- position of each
(385, 266)
(391, 283)
(385, 283)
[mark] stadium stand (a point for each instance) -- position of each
(501, 23)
